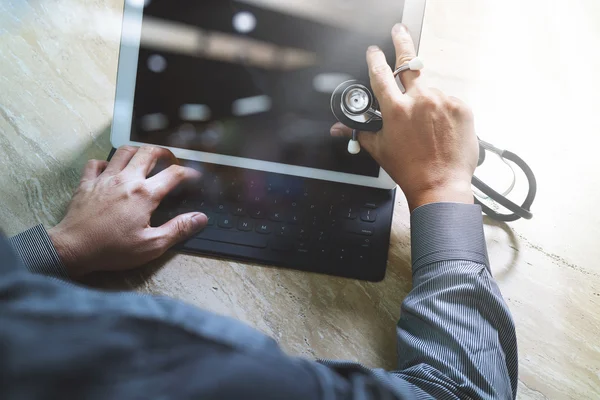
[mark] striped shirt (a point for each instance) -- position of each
(456, 337)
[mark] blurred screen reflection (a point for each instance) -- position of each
(254, 78)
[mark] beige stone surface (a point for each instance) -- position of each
(529, 69)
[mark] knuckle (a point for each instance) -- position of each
(117, 180)
(182, 227)
(140, 189)
(178, 172)
(430, 101)
(381, 69)
(136, 190)
(156, 245)
(128, 148)
(461, 109)
(149, 149)
(402, 59)
(398, 109)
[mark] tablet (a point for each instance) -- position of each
(248, 83)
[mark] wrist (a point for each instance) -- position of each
(450, 193)
(65, 248)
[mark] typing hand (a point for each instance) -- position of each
(107, 226)
(428, 143)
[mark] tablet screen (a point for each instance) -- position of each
(254, 78)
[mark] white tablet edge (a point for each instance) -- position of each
(414, 12)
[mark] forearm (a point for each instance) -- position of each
(37, 253)
(455, 330)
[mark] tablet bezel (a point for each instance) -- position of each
(414, 11)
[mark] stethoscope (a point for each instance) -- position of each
(354, 105)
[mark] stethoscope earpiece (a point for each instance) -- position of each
(353, 144)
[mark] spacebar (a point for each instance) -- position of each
(233, 237)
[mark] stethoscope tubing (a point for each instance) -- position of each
(522, 211)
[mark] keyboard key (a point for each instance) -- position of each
(320, 236)
(202, 204)
(353, 241)
(323, 250)
(315, 208)
(295, 219)
(225, 222)
(302, 247)
(364, 243)
(276, 216)
(221, 208)
(368, 215)
(232, 237)
(360, 229)
(239, 211)
(274, 200)
(348, 213)
(342, 254)
(245, 224)
(283, 231)
(263, 228)
(257, 213)
(301, 233)
(282, 245)
(211, 219)
(330, 211)
(371, 204)
(360, 257)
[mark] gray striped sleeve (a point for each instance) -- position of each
(456, 337)
(38, 254)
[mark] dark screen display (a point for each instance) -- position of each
(254, 79)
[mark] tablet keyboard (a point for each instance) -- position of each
(306, 224)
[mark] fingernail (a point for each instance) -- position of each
(373, 48)
(199, 221)
(335, 132)
(398, 28)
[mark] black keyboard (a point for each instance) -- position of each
(286, 221)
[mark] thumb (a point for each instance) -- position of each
(182, 227)
(368, 140)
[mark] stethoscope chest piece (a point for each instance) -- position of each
(354, 105)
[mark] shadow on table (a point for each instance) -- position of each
(138, 279)
(514, 247)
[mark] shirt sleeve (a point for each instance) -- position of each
(456, 339)
(456, 336)
(37, 253)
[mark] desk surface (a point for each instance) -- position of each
(513, 61)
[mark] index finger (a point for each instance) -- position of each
(168, 179)
(146, 159)
(382, 77)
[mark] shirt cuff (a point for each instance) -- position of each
(38, 254)
(447, 231)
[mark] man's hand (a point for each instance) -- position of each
(428, 143)
(107, 226)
